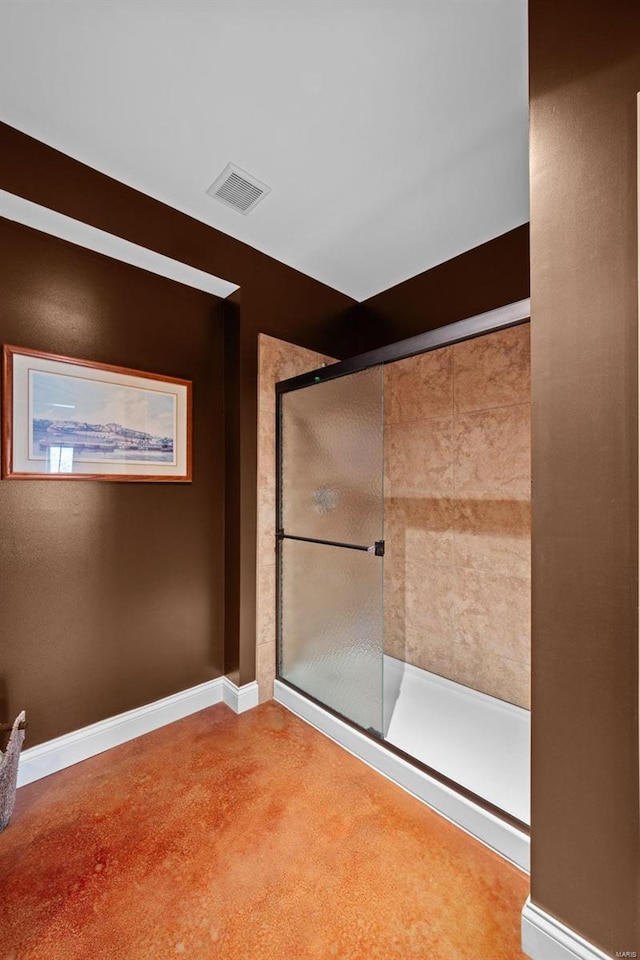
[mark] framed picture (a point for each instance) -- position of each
(70, 419)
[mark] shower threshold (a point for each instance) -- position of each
(476, 740)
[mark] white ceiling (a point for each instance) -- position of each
(393, 133)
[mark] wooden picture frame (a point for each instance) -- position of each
(69, 419)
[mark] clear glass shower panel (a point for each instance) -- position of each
(332, 459)
(332, 621)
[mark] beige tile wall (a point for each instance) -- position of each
(277, 360)
(457, 512)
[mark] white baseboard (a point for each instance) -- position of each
(54, 755)
(545, 938)
(240, 698)
(505, 839)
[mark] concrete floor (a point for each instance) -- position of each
(247, 837)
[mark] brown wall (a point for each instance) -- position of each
(153, 331)
(489, 276)
(112, 593)
(584, 72)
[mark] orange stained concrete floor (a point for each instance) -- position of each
(247, 837)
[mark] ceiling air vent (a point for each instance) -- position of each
(238, 189)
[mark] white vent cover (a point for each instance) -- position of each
(238, 189)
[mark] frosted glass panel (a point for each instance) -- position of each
(332, 627)
(332, 459)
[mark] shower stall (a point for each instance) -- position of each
(403, 580)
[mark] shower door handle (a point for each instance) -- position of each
(377, 549)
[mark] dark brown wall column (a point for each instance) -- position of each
(585, 71)
(241, 358)
(232, 514)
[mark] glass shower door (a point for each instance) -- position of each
(330, 543)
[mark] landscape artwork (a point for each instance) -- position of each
(66, 418)
(100, 421)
